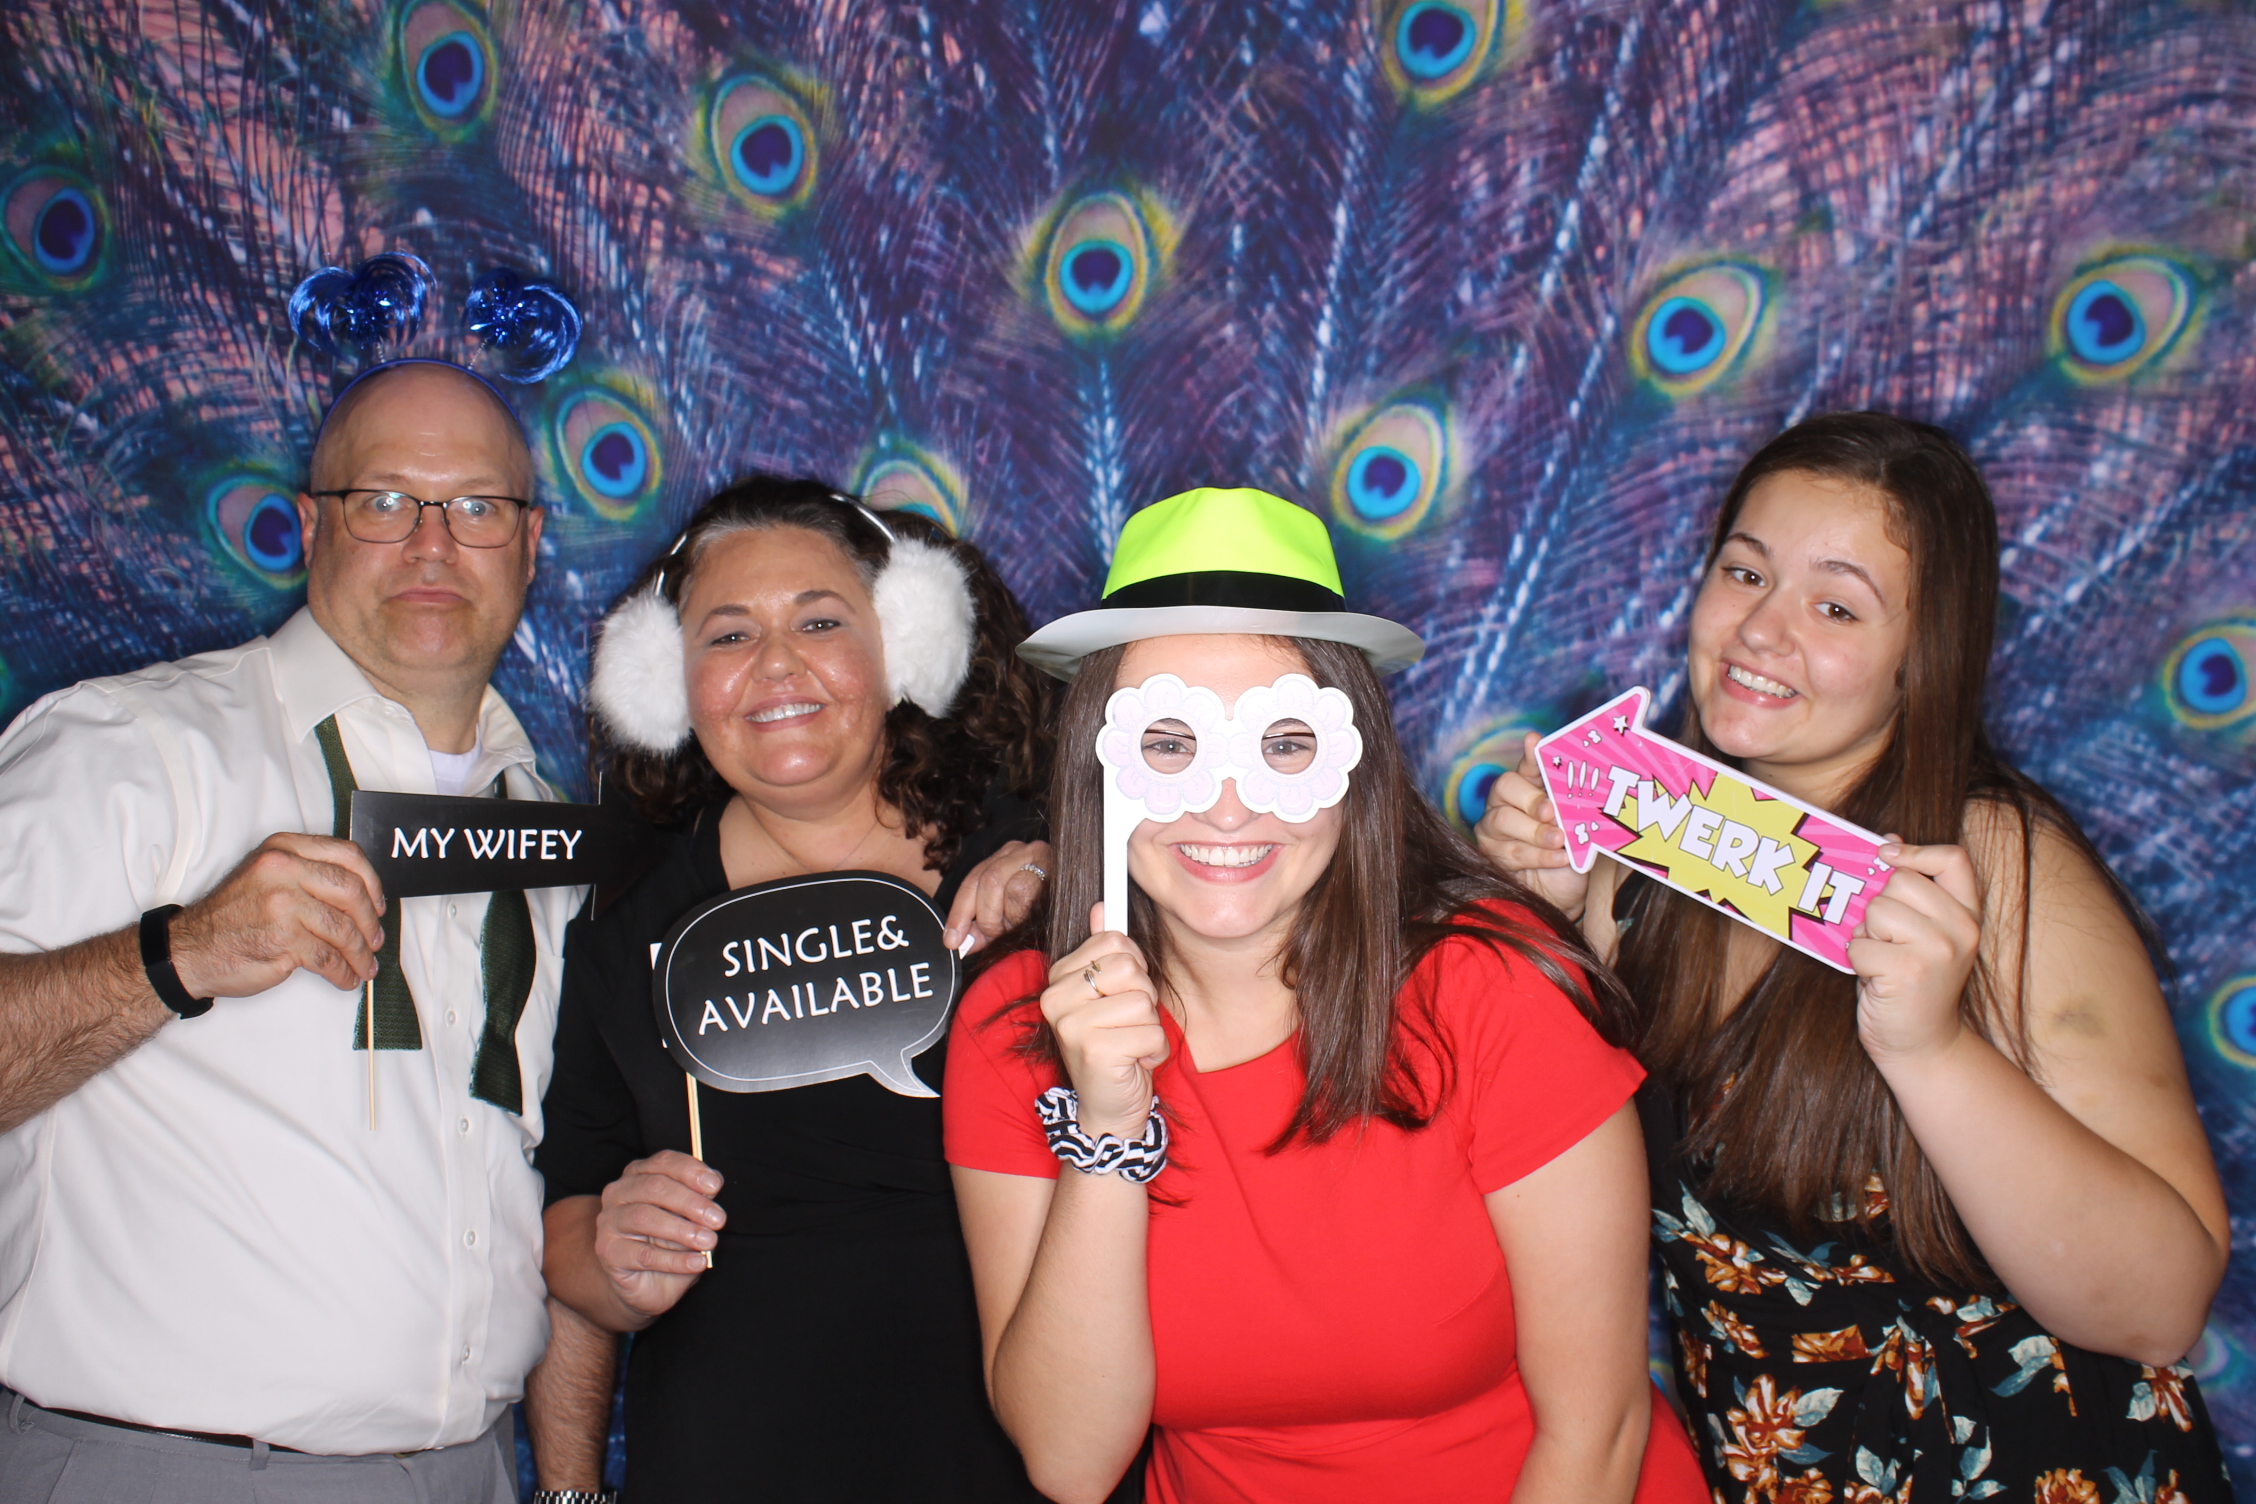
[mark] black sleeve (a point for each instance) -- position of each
(591, 1128)
(1005, 818)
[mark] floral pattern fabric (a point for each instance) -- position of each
(1831, 1375)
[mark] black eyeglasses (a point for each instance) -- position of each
(393, 516)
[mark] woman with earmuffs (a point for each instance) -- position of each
(798, 686)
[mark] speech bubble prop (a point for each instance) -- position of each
(806, 979)
(1171, 774)
(1765, 858)
(421, 844)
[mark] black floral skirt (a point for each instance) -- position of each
(1830, 1376)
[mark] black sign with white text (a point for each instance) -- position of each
(806, 979)
(422, 844)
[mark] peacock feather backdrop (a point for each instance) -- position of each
(1503, 289)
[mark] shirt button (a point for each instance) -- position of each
(450, 1018)
(465, 1352)
(462, 1125)
(469, 1240)
(452, 911)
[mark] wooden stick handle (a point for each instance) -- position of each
(371, 994)
(697, 1139)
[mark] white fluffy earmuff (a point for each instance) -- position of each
(636, 683)
(924, 616)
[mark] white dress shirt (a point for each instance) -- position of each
(208, 1235)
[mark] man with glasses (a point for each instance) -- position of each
(236, 1259)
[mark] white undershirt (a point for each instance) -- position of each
(450, 771)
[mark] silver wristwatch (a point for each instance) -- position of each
(572, 1496)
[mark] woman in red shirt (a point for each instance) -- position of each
(1356, 1207)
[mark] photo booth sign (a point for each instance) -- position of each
(424, 844)
(806, 979)
(1765, 858)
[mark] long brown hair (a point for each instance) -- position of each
(1786, 1110)
(1400, 883)
(936, 771)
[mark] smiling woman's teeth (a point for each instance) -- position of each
(1759, 684)
(1226, 856)
(783, 713)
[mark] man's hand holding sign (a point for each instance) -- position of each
(296, 902)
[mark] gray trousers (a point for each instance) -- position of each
(53, 1459)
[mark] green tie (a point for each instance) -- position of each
(507, 951)
(506, 945)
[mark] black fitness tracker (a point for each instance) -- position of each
(156, 960)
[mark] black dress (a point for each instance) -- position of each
(832, 1352)
(1825, 1371)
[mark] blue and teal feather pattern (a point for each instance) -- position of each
(1503, 289)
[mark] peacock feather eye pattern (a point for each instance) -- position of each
(1495, 750)
(57, 230)
(1433, 49)
(1694, 329)
(1101, 260)
(1392, 469)
(256, 520)
(2232, 1021)
(605, 450)
(900, 477)
(2205, 678)
(447, 63)
(2118, 317)
(763, 143)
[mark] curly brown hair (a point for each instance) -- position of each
(936, 771)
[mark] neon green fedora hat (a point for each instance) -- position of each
(1215, 560)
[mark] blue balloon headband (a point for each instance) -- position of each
(529, 329)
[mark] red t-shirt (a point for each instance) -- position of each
(1334, 1322)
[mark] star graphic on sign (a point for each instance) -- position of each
(1621, 725)
(1557, 761)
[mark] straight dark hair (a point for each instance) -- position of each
(1785, 1109)
(937, 771)
(1400, 883)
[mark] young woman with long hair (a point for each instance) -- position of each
(1945, 1227)
(1376, 1230)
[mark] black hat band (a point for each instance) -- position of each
(1237, 588)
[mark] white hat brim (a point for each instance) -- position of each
(1058, 648)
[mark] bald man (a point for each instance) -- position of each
(236, 1260)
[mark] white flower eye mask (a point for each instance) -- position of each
(1166, 747)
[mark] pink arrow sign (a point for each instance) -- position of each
(1765, 858)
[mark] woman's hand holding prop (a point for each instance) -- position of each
(1914, 951)
(1520, 833)
(1103, 1008)
(657, 1225)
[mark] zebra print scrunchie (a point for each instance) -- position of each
(1137, 1159)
